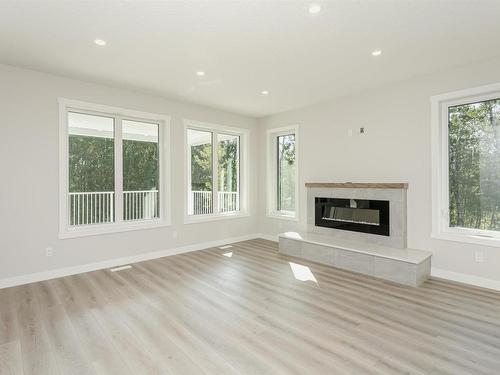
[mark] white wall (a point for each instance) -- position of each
(29, 176)
(395, 148)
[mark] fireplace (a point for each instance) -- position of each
(357, 215)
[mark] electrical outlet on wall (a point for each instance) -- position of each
(349, 132)
(479, 256)
(49, 252)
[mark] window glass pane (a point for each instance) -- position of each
(286, 173)
(474, 165)
(200, 172)
(91, 169)
(141, 177)
(228, 172)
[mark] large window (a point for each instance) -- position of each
(214, 171)
(467, 160)
(282, 173)
(111, 169)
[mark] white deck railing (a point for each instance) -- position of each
(98, 207)
(91, 208)
(228, 201)
(140, 205)
(200, 202)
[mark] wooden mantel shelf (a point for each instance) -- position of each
(358, 185)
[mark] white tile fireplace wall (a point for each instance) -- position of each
(397, 214)
(396, 146)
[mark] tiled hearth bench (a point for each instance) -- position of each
(404, 266)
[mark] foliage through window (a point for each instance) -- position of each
(286, 173)
(200, 195)
(93, 197)
(141, 177)
(474, 165)
(91, 147)
(228, 171)
(209, 191)
(282, 173)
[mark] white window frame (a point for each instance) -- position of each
(440, 174)
(244, 170)
(272, 173)
(119, 225)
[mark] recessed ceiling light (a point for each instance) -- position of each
(377, 52)
(100, 42)
(314, 8)
(200, 73)
(264, 92)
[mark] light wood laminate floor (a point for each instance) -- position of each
(207, 312)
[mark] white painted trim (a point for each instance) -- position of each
(215, 217)
(207, 126)
(466, 279)
(467, 237)
(109, 228)
(118, 114)
(269, 237)
(67, 271)
(467, 93)
(271, 172)
(63, 167)
(440, 178)
(118, 175)
(110, 110)
(244, 171)
(279, 215)
(121, 268)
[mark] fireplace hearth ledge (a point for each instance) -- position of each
(404, 266)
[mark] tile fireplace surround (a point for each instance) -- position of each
(392, 192)
(385, 257)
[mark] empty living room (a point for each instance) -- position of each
(249, 187)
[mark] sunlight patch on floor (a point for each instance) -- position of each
(302, 273)
(229, 255)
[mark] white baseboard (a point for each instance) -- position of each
(268, 237)
(466, 279)
(67, 271)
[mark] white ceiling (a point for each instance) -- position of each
(247, 46)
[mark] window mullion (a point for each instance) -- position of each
(238, 177)
(215, 171)
(278, 175)
(64, 167)
(118, 170)
(161, 176)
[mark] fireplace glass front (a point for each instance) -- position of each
(358, 215)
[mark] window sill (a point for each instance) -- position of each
(467, 238)
(98, 229)
(214, 217)
(282, 216)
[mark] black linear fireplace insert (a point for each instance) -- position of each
(358, 215)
